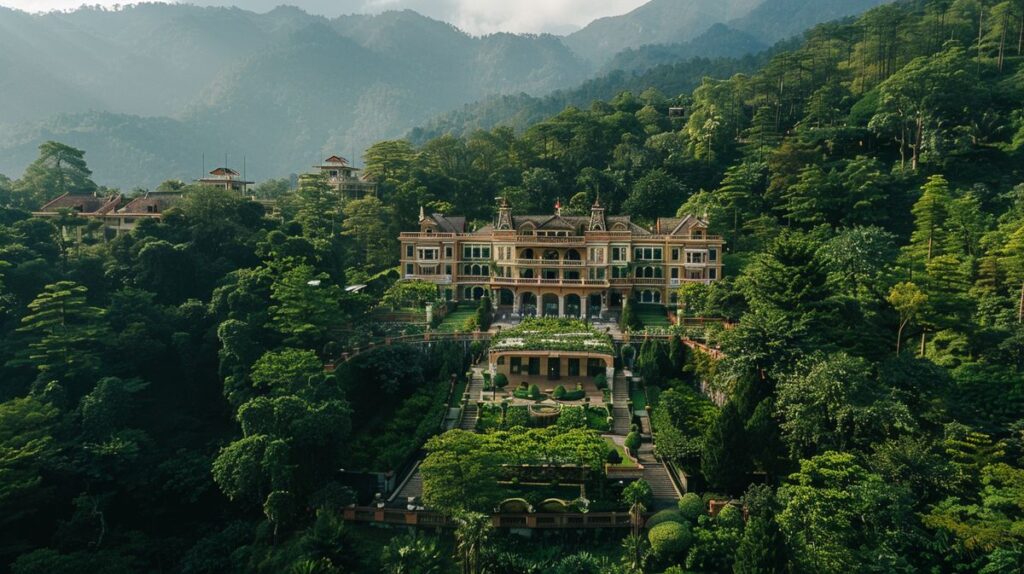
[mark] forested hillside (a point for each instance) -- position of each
(223, 80)
(166, 406)
(148, 89)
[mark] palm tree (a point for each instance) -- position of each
(411, 554)
(636, 552)
(470, 536)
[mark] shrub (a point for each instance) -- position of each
(601, 381)
(572, 418)
(534, 392)
(638, 491)
(730, 517)
(500, 381)
(667, 515)
(691, 506)
(517, 416)
(613, 456)
(559, 392)
(669, 540)
(632, 441)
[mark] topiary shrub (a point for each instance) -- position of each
(669, 540)
(730, 517)
(535, 392)
(559, 393)
(500, 381)
(667, 515)
(601, 381)
(632, 442)
(691, 506)
(613, 456)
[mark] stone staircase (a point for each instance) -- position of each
(621, 416)
(655, 473)
(469, 417)
(475, 390)
(412, 488)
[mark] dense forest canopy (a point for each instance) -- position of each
(166, 407)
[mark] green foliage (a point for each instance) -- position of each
(691, 507)
(632, 441)
(669, 540)
(667, 515)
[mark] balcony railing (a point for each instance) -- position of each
(442, 279)
(531, 281)
(544, 262)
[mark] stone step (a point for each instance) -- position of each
(469, 418)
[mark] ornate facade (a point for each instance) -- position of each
(555, 265)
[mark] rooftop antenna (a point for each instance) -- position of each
(203, 173)
(245, 186)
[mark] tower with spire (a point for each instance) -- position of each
(504, 216)
(597, 222)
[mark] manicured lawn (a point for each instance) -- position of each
(455, 322)
(626, 462)
(639, 399)
(653, 316)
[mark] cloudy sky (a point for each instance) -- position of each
(474, 16)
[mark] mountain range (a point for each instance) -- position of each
(148, 90)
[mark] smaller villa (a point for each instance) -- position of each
(542, 351)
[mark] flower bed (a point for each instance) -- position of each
(546, 334)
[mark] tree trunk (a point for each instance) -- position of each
(923, 333)
(899, 336)
(1020, 309)
(1020, 32)
(1002, 42)
(919, 133)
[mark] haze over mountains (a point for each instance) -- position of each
(148, 89)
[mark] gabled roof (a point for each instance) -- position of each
(560, 223)
(82, 203)
(678, 225)
(151, 202)
(447, 224)
(224, 171)
(336, 159)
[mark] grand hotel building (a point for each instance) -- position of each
(557, 265)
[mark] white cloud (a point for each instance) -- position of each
(473, 16)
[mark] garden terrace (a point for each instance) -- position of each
(553, 353)
(553, 335)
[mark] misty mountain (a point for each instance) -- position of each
(775, 20)
(282, 88)
(657, 22)
(719, 40)
(147, 90)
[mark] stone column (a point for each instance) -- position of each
(610, 373)
(561, 305)
(516, 298)
(604, 302)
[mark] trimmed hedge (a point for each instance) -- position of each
(667, 515)
(691, 506)
(632, 441)
(500, 380)
(730, 517)
(669, 540)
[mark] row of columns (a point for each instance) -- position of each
(584, 302)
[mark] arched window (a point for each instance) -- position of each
(527, 229)
(657, 296)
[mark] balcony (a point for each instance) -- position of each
(418, 235)
(439, 279)
(544, 262)
(537, 281)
